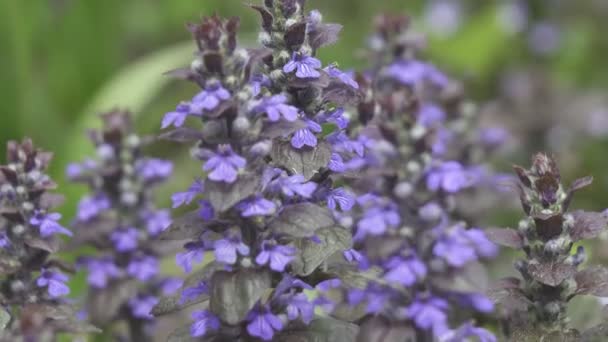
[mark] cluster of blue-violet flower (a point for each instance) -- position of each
(119, 219)
(32, 283)
(534, 308)
(411, 160)
(265, 198)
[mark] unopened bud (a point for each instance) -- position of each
(241, 125)
(403, 190)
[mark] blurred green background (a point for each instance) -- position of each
(64, 61)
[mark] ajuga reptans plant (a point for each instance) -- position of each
(32, 282)
(265, 196)
(534, 308)
(414, 149)
(119, 219)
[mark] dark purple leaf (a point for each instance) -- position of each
(233, 294)
(506, 283)
(305, 83)
(381, 247)
(305, 161)
(521, 174)
(224, 196)
(182, 74)
(295, 35)
(548, 226)
(266, 17)
(301, 220)
(104, 304)
(324, 34)
(592, 281)
(213, 62)
(581, 183)
(473, 277)
(182, 135)
(9, 174)
(509, 300)
(47, 245)
(341, 94)
(187, 226)
(588, 225)
(551, 273)
(379, 329)
(311, 254)
(321, 329)
(505, 237)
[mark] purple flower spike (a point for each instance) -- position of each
(275, 107)
(459, 246)
(91, 206)
(257, 206)
(224, 165)
(344, 77)
(405, 271)
(152, 169)
(208, 99)
(100, 272)
(54, 282)
(340, 197)
(125, 240)
(203, 322)
(194, 253)
(186, 197)
(305, 66)
(142, 305)
(226, 249)
(263, 323)
(177, 117)
(144, 268)
(430, 114)
(278, 256)
(450, 177)
(429, 314)
(48, 225)
(4, 240)
(306, 136)
(336, 163)
(376, 220)
(300, 306)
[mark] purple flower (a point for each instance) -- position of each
(459, 246)
(305, 65)
(257, 206)
(494, 136)
(430, 114)
(412, 73)
(336, 163)
(299, 306)
(340, 197)
(404, 271)
(208, 99)
(296, 185)
(91, 206)
(54, 282)
(257, 82)
(450, 177)
(328, 284)
(429, 314)
(480, 302)
(336, 117)
(4, 240)
(143, 268)
(186, 197)
(205, 210)
(344, 77)
(194, 253)
(48, 225)
(305, 136)
(226, 249)
(352, 255)
(177, 117)
(224, 165)
(125, 240)
(194, 292)
(376, 220)
(153, 169)
(76, 170)
(100, 271)
(263, 323)
(203, 322)
(544, 38)
(157, 221)
(277, 255)
(170, 285)
(275, 107)
(142, 305)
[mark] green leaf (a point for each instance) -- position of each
(324, 329)
(305, 161)
(312, 254)
(301, 220)
(233, 295)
